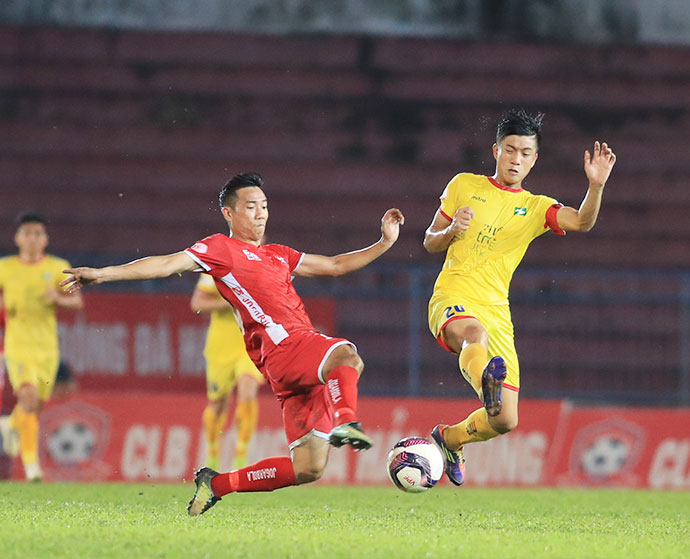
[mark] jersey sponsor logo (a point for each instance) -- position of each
(276, 332)
(250, 255)
(520, 211)
(479, 198)
(263, 473)
(201, 248)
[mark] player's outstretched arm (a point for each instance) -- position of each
(145, 268)
(317, 265)
(598, 166)
(203, 301)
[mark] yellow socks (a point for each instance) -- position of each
(473, 358)
(473, 429)
(213, 428)
(246, 418)
(26, 425)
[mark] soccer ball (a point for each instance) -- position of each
(414, 464)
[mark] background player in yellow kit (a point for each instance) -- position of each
(227, 366)
(485, 225)
(29, 282)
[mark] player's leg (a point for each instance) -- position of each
(214, 418)
(10, 437)
(32, 380)
(24, 419)
(306, 418)
(461, 331)
(219, 385)
(246, 416)
(341, 372)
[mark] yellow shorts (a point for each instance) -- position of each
(495, 319)
(222, 374)
(39, 371)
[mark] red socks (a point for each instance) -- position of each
(342, 391)
(265, 475)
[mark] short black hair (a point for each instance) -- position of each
(29, 217)
(516, 122)
(228, 194)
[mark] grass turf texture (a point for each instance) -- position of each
(123, 521)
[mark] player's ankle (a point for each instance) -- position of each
(344, 415)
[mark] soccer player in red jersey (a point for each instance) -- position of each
(313, 376)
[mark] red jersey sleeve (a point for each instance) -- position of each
(212, 255)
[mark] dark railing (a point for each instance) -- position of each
(591, 335)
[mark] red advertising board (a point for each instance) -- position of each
(158, 437)
(146, 436)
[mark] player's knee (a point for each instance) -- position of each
(504, 423)
(350, 358)
(309, 474)
(475, 333)
(217, 406)
(28, 399)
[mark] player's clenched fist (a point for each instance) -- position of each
(462, 220)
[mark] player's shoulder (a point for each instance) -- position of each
(212, 241)
(537, 198)
(57, 261)
(8, 260)
(467, 180)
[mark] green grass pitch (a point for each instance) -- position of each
(103, 521)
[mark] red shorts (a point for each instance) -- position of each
(295, 370)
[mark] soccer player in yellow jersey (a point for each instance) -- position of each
(485, 225)
(227, 366)
(30, 288)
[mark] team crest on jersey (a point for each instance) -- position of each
(520, 211)
(201, 248)
(250, 255)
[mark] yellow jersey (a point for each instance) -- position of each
(224, 338)
(480, 262)
(31, 321)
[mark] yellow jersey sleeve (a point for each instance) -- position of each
(451, 197)
(207, 285)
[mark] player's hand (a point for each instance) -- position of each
(79, 277)
(461, 220)
(390, 225)
(598, 164)
(51, 296)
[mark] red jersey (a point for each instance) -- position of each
(257, 281)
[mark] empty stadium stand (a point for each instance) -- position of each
(123, 139)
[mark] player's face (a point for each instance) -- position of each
(515, 156)
(31, 239)
(249, 216)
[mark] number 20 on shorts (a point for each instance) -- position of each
(455, 309)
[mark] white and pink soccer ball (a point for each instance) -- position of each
(414, 464)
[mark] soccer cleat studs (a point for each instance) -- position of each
(204, 498)
(492, 385)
